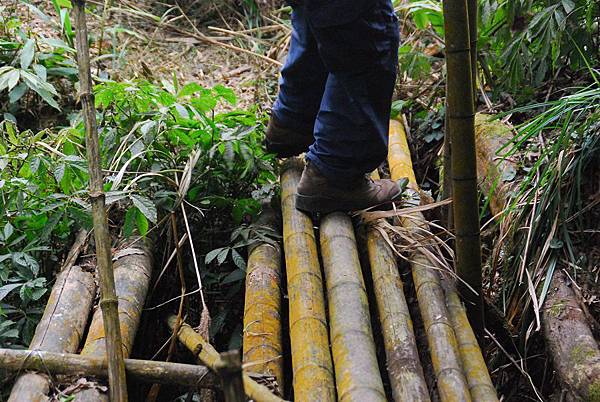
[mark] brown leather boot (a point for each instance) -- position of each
(316, 193)
(286, 142)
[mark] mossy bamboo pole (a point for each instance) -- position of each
(60, 329)
(263, 350)
(355, 361)
(311, 358)
(207, 354)
(108, 302)
(445, 357)
(69, 364)
(402, 357)
(461, 113)
(571, 344)
(491, 135)
(132, 270)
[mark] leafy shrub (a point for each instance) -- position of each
(34, 63)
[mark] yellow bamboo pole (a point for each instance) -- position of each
(207, 354)
(402, 357)
(471, 358)
(311, 358)
(452, 385)
(354, 357)
(263, 351)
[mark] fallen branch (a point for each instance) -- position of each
(149, 371)
(207, 354)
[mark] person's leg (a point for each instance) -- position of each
(302, 78)
(351, 128)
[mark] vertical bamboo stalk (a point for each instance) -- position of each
(229, 369)
(472, 9)
(461, 114)
(311, 359)
(108, 302)
(356, 370)
(402, 357)
(445, 357)
(263, 351)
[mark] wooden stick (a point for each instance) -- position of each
(149, 371)
(108, 302)
(229, 369)
(209, 356)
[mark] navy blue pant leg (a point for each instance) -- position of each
(351, 130)
(339, 79)
(303, 78)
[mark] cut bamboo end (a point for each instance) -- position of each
(61, 327)
(403, 365)
(355, 360)
(445, 357)
(207, 354)
(263, 351)
(311, 358)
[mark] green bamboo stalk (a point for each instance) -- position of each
(357, 374)
(311, 358)
(461, 114)
(108, 302)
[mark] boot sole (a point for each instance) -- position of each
(325, 205)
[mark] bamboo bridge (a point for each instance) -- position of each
(351, 335)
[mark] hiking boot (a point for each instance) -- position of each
(286, 142)
(316, 193)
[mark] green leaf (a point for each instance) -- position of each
(226, 93)
(27, 54)
(17, 93)
(212, 255)
(235, 276)
(238, 260)
(12, 78)
(130, 221)
(6, 289)
(146, 207)
(142, 224)
(8, 231)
